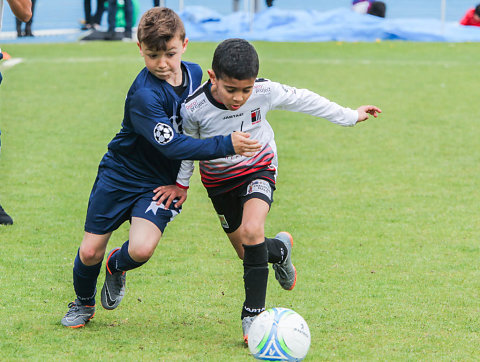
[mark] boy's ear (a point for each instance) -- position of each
(185, 42)
(211, 75)
(140, 48)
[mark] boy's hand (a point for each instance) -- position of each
(170, 193)
(364, 111)
(243, 145)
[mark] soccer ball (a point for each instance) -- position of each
(279, 334)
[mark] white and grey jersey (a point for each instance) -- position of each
(204, 117)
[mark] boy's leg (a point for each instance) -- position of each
(147, 224)
(86, 268)
(143, 239)
(277, 251)
(255, 261)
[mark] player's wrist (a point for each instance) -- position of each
(182, 186)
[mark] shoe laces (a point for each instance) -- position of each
(73, 308)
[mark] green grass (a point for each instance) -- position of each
(384, 215)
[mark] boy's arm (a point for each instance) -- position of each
(150, 120)
(305, 101)
(179, 191)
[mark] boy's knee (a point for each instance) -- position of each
(252, 233)
(141, 253)
(91, 255)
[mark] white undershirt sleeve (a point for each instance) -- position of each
(187, 166)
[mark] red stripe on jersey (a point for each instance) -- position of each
(249, 162)
(214, 176)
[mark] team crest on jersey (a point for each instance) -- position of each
(256, 116)
(163, 133)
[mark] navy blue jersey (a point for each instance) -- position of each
(148, 150)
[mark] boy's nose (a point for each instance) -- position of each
(237, 97)
(161, 63)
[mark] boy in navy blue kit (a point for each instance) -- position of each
(145, 153)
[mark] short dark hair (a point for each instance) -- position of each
(158, 26)
(235, 58)
(378, 8)
(477, 10)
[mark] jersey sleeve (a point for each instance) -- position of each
(305, 101)
(149, 119)
(190, 128)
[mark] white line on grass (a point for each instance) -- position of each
(332, 61)
(40, 33)
(406, 62)
(10, 63)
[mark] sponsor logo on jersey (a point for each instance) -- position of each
(256, 116)
(191, 106)
(233, 116)
(163, 133)
(261, 88)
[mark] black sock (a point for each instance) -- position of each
(85, 281)
(122, 261)
(255, 277)
(277, 251)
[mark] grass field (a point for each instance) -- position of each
(384, 215)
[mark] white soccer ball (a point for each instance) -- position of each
(279, 334)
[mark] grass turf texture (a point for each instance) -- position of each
(384, 215)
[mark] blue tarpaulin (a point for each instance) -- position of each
(310, 25)
(271, 24)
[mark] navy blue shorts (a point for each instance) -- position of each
(110, 206)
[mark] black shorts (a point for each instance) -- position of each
(229, 205)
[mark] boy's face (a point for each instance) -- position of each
(165, 65)
(233, 93)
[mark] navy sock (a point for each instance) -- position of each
(255, 277)
(85, 281)
(277, 251)
(122, 261)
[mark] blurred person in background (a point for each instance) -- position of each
(361, 6)
(92, 21)
(371, 7)
(236, 4)
(112, 18)
(28, 24)
(22, 9)
(471, 17)
(377, 8)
